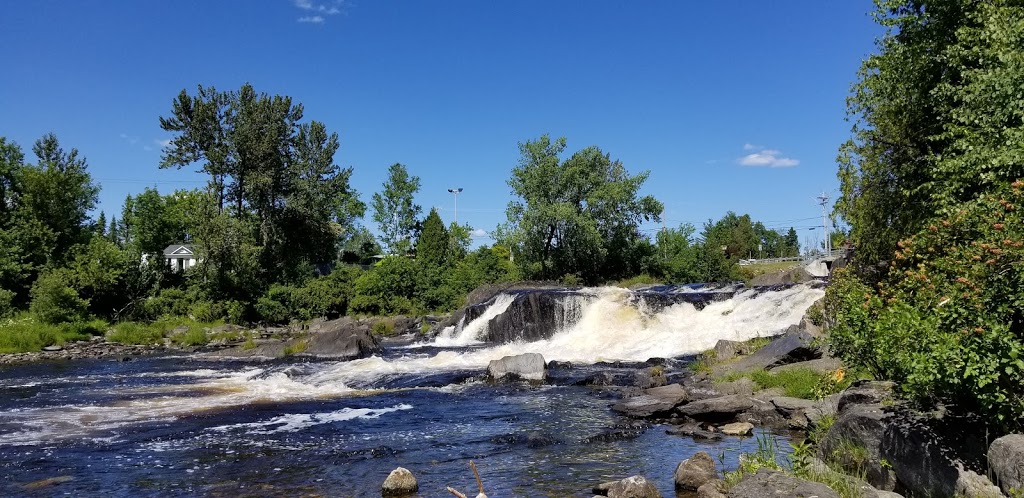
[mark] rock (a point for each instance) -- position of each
(792, 347)
(720, 409)
(695, 471)
(633, 487)
(976, 486)
(865, 392)
(694, 431)
(770, 483)
(790, 406)
(400, 482)
(887, 494)
(924, 463)
(602, 489)
(821, 365)
(654, 401)
(737, 429)
(825, 407)
(742, 385)
(855, 443)
(528, 366)
(712, 489)
(341, 338)
(1006, 460)
(726, 350)
(54, 347)
(644, 379)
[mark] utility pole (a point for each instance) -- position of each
(456, 192)
(824, 223)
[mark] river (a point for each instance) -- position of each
(192, 426)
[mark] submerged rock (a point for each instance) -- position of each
(633, 487)
(654, 401)
(400, 482)
(528, 366)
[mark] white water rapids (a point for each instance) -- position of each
(610, 327)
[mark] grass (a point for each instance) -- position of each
(704, 362)
(801, 383)
(249, 343)
(639, 280)
(296, 347)
(135, 333)
(384, 326)
(768, 455)
(24, 333)
(748, 272)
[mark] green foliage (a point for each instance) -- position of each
(388, 289)
(797, 383)
(821, 428)
(433, 243)
(55, 301)
(766, 456)
(207, 311)
(295, 347)
(384, 327)
(135, 333)
(704, 362)
(275, 203)
(194, 336)
(6, 303)
(638, 281)
(578, 217)
(25, 332)
(394, 210)
(946, 322)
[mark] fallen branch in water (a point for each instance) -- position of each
(479, 483)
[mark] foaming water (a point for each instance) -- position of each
(473, 332)
(611, 328)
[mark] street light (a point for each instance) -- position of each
(456, 192)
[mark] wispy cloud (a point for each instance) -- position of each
(317, 10)
(762, 157)
(163, 143)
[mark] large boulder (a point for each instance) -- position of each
(633, 487)
(1006, 460)
(855, 443)
(695, 471)
(713, 489)
(653, 402)
(343, 338)
(400, 482)
(865, 393)
(720, 409)
(792, 347)
(527, 366)
(767, 483)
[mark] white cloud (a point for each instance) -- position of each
(318, 9)
(163, 143)
(479, 232)
(763, 157)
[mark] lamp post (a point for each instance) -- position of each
(456, 192)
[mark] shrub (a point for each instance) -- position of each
(384, 327)
(271, 310)
(54, 301)
(235, 311)
(946, 321)
(206, 311)
(25, 332)
(6, 303)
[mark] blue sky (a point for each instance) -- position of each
(730, 105)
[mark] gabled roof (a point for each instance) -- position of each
(178, 250)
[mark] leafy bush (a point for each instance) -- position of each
(946, 323)
(55, 301)
(235, 311)
(271, 310)
(135, 333)
(387, 289)
(207, 311)
(6, 303)
(25, 332)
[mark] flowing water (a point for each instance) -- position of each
(189, 426)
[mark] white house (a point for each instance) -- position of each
(179, 257)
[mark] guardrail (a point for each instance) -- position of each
(835, 253)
